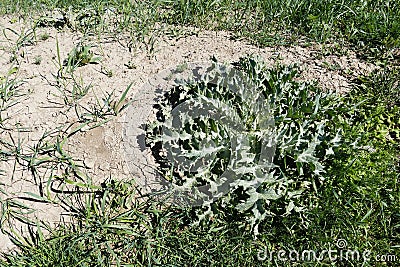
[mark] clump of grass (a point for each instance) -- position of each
(44, 36)
(382, 84)
(79, 56)
(8, 90)
(37, 60)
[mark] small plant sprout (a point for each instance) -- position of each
(37, 60)
(122, 103)
(8, 89)
(44, 36)
(79, 56)
(108, 72)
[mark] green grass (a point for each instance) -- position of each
(359, 200)
(373, 26)
(8, 92)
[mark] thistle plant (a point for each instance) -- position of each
(244, 137)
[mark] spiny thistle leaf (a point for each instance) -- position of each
(244, 137)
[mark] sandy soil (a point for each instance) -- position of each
(40, 107)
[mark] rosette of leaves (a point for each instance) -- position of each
(245, 138)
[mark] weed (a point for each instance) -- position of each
(44, 36)
(102, 111)
(37, 60)
(8, 90)
(130, 65)
(25, 38)
(107, 72)
(267, 112)
(78, 91)
(79, 56)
